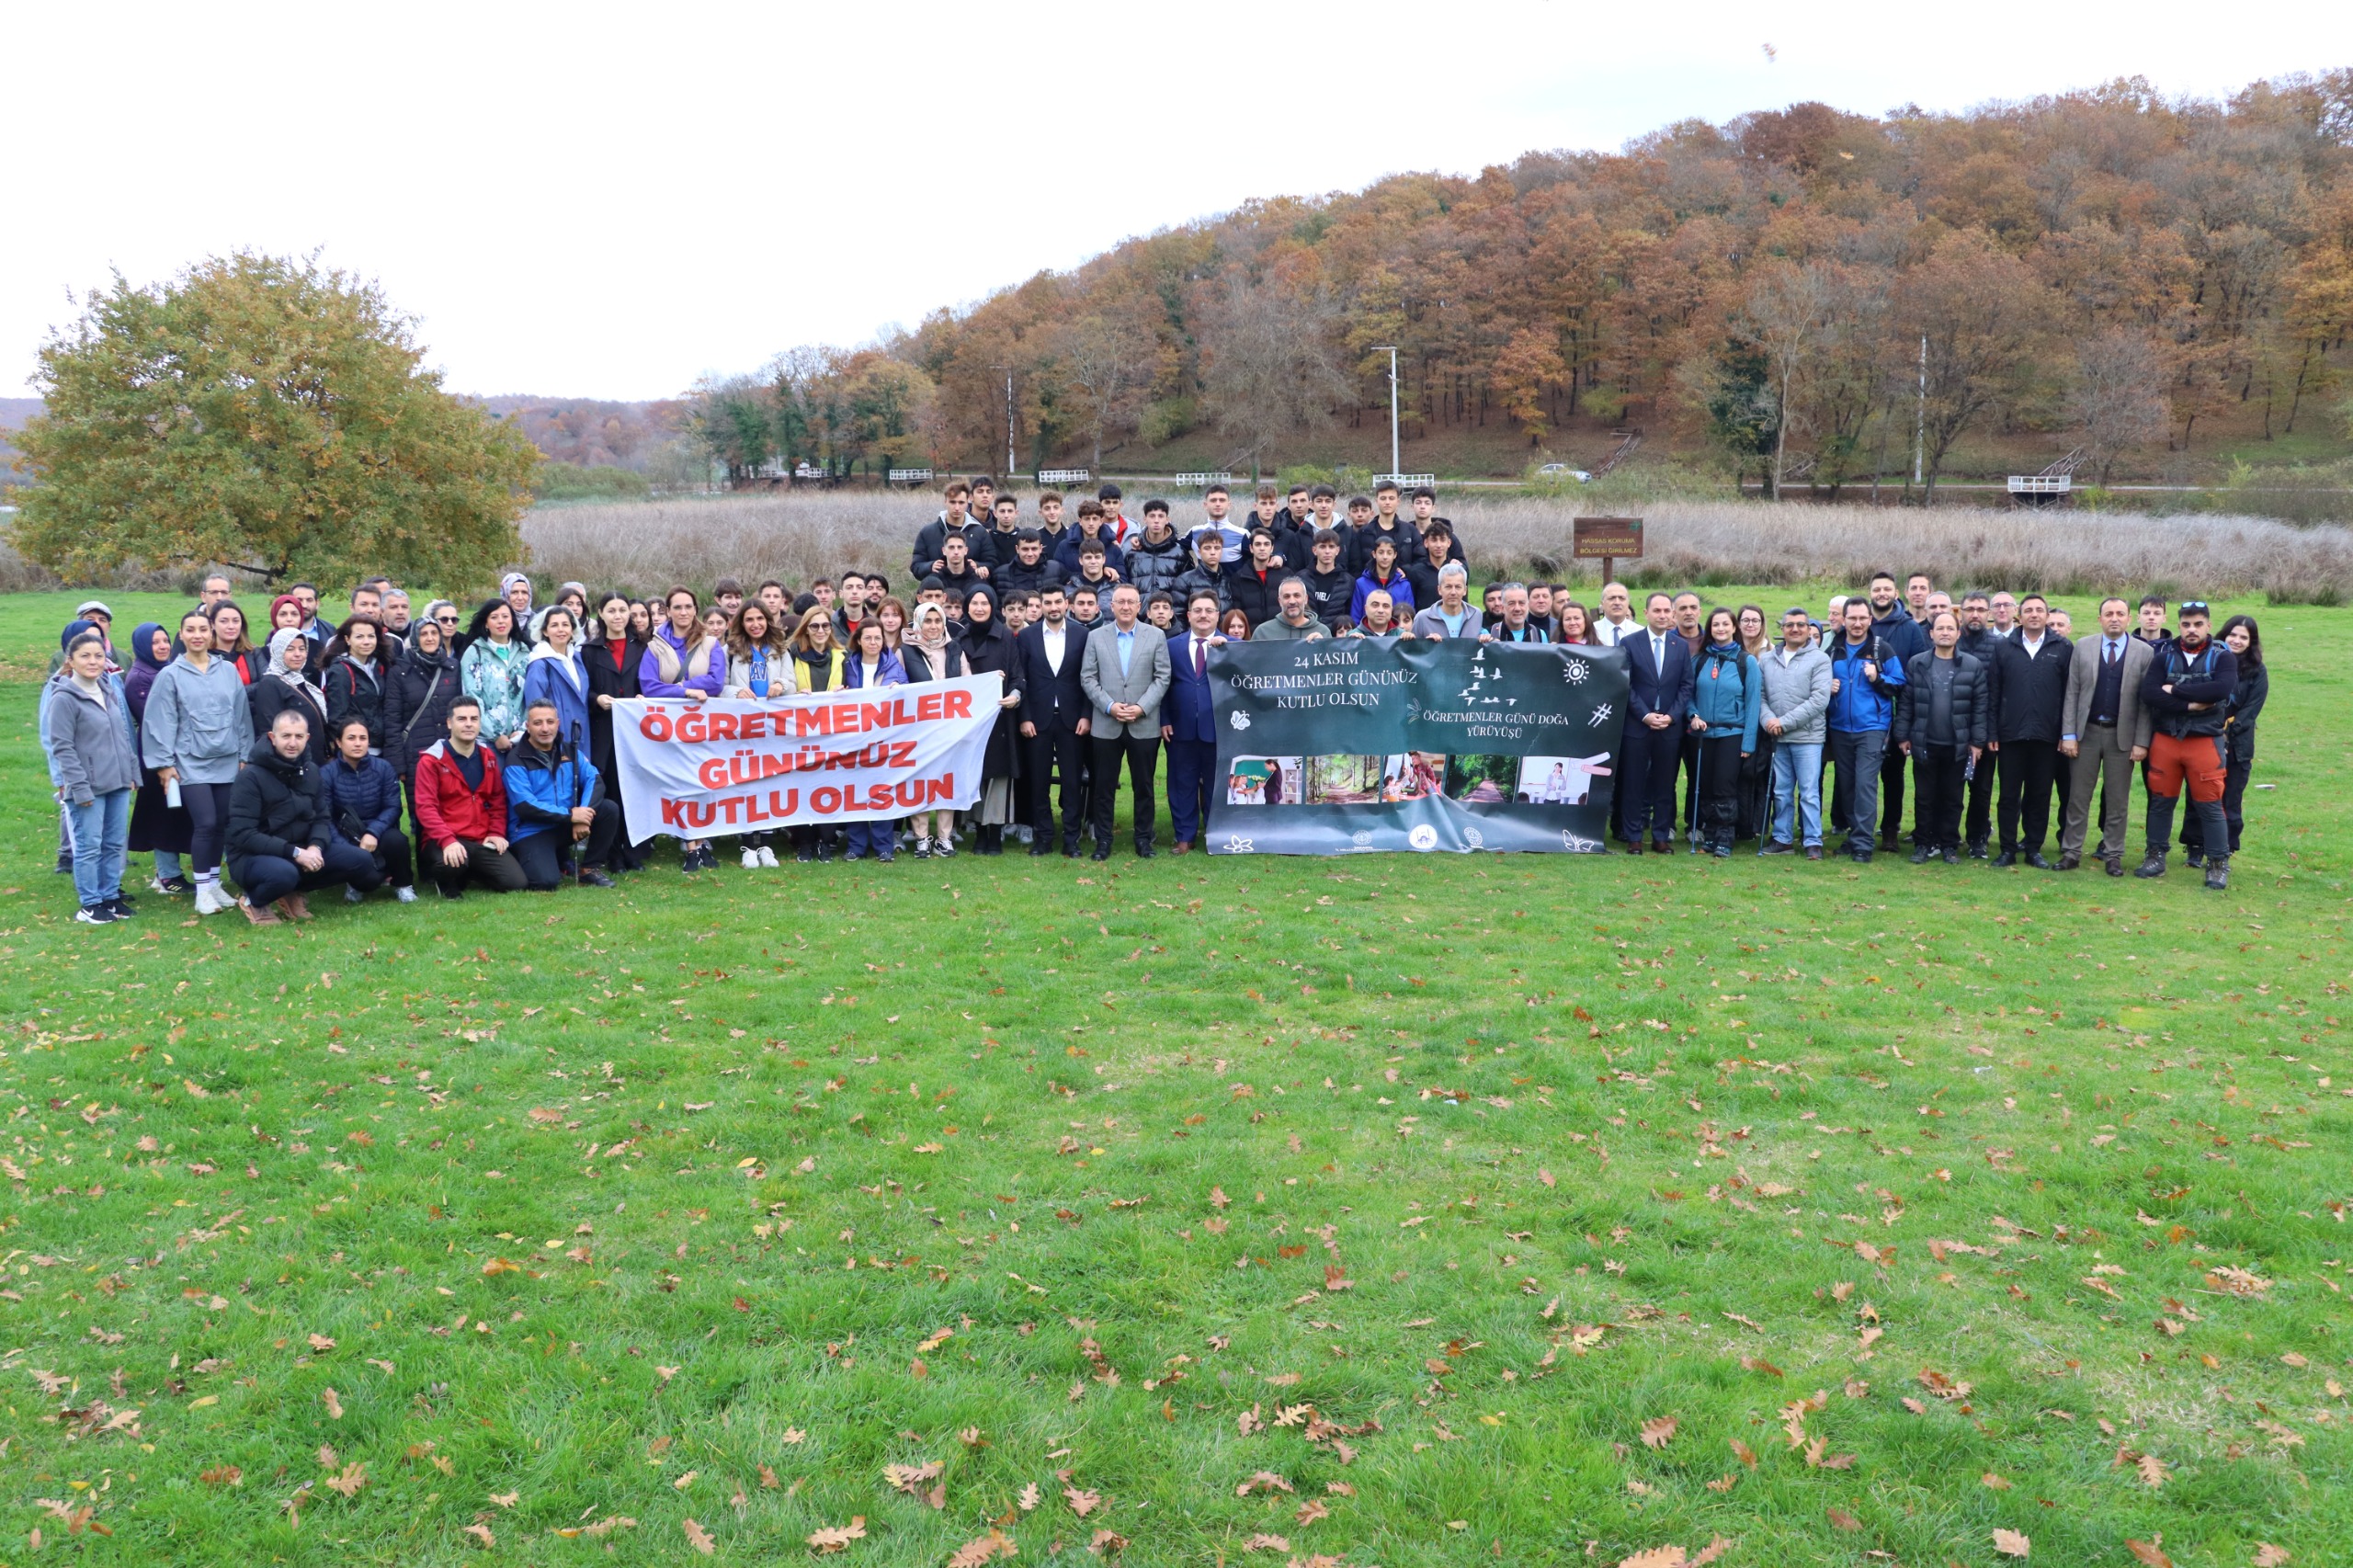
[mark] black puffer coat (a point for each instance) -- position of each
(417, 698)
(275, 807)
(1972, 702)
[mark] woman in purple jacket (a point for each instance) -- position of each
(684, 663)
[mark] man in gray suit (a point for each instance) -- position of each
(2106, 730)
(1124, 674)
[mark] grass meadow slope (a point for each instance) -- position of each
(1387, 1210)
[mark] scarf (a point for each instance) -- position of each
(299, 680)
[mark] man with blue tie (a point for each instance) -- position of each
(1188, 725)
(1658, 706)
(1125, 673)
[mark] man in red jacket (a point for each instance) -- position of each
(461, 805)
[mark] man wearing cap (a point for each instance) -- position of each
(2186, 691)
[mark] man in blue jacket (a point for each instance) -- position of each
(1658, 706)
(556, 798)
(1864, 676)
(1905, 636)
(1186, 725)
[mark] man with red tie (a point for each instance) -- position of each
(1188, 725)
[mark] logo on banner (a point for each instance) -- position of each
(1424, 837)
(1237, 845)
(1241, 721)
(1473, 837)
(1361, 838)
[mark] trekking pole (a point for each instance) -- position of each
(579, 845)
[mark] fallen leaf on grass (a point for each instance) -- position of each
(1758, 1364)
(349, 1480)
(320, 1341)
(1717, 1546)
(1996, 1482)
(2148, 1553)
(1264, 1480)
(1658, 1431)
(223, 1475)
(2010, 1543)
(1311, 1511)
(1083, 1503)
(1264, 1542)
(1656, 1557)
(506, 1499)
(972, 1553)
(699, 1538)
(1745, 1454)
(334, 1403)
(1104, 1544)
(2151, 1469)
(1031, 1498)
(1844, 1521)
(2270, 1556)
(836, 1538)
(482, 1533)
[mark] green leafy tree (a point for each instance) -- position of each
(266, 415)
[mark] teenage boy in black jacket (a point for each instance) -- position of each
(2189, 687)
(1028, 571)
(1331, 591)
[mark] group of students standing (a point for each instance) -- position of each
(476, 748)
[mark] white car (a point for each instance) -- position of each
(1562, 471)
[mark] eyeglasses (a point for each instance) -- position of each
(447, 620)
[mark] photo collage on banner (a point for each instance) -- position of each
(1356, 745)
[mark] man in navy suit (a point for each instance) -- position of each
(1658, 706)
(1186, 725)
(1055, 717)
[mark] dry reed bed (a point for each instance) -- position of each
(647, 545)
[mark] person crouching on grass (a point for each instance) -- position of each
(278, 842)
(2189, 687)
(555, 804)
(461, 808)
(363, 804)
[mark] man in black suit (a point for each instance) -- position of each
(1187, 728)
(1055, 720)
(2029, 709)
(1658, 706)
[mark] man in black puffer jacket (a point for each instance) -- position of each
(279, 843)
(1942, 722)
(1156, 556)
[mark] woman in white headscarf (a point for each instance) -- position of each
(929, 654)
(288, 684)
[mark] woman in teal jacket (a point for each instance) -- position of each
(1725, 694)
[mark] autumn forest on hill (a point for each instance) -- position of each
(2167, 284)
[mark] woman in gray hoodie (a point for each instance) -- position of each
(94, 763)
(199, 730)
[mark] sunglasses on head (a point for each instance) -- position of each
(2194, 607)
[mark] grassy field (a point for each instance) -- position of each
(1391, 1210)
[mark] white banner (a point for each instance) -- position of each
(706, 769)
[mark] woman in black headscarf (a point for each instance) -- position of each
(155, 825)
(989, 648)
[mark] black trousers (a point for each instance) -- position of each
(266, 879)
(1055, 750)
(208, 814)
(1647, 760)
(1719, 788)
(546, 856)
(1142, 756)
(498, 872)
(1891, 795)
(1937, 775)
(393, 857)
(2030, 772)
(1977, 822)
(1687, 754)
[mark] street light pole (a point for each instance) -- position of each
(1009, 464)
(1391, 350)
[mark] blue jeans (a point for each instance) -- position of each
(872, 838)
(1797, 791)
(101, 832)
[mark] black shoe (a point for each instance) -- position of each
(172, 887)
(1778, 847)
(1102, 852)
(2154, 866)
(1041, 847)
(2115, 867)
(590, 877)
(2006, 860)
(1070, 848)
(1920, 856)
(2069, 862)
(1977, 850)
(2218, 876)
(1814, 851)
(825, 851)
(1861, 857)
(804, 855)
(65, 869)
(124, 908)
(1952, 856)
(96, 914)
(453, 894)
(2196, 860)
(2034, 858)
(1144, 849)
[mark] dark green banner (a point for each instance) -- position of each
(1356, 745)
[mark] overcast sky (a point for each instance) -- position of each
(609, 202)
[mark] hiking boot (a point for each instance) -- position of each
(259, 916)
(2195, 859)
(590, 877)
(1778, 847)
(2154, 866)
(1952, 856)
(2006, 860)
(1920, 856)
(2218, 876)
(293, 904)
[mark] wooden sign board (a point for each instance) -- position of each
(1607, 538)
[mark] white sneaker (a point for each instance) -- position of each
(750, 860)
(210, 900)
(406, 895)
(767, 858)
(1025, 836)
